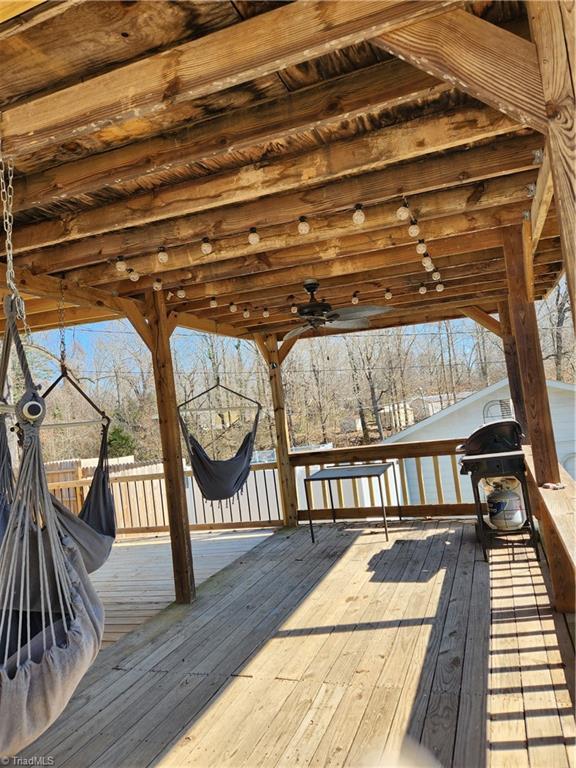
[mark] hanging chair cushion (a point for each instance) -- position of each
(94, 547)
(34, 693)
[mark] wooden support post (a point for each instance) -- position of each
(518, 256)
(171, 449)
(511, 358)
(286, 472)
(552, 30)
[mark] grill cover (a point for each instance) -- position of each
(496, 437)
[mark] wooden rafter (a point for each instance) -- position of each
(208, 65)
(387, 85)
(367, 153)
(490, 63)
(542, 200)
(327, 207)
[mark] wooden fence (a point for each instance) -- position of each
(140, 501)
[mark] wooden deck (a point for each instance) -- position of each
(136, 582)
(332, 655)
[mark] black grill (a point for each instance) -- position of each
(495, 450)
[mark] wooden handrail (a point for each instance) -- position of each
(555, 509)
(376, 452)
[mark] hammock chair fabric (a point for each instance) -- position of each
(220, 479)
(51, 620)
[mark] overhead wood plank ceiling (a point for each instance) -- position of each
(129, 134)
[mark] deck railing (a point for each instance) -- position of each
(423, 480)
(140, 501)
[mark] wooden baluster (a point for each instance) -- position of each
(404, 482)
(456, 476)
(421, 488)
(438, 480)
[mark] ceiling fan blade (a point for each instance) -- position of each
(364, 310)
(359, 324)
(295, 332)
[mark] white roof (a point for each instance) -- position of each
(464, 403)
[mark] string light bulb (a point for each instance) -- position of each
(358, 217)
(157, 284)
(245, 313)
(253, 236)
(436, 275)
(440, 287)
(120, 264)
(181, 293)
(421, 248)
(133, 275)
(232, 307)
(403, 213)
(426, 261)
(414, 229)
(213, 302)
(422, 290)
(294, 309)
(265, 312)
(388, 294)
(162, 255)
(355, 298)
(303, 225)
(169, 295)
(206, 246)
(429, 267)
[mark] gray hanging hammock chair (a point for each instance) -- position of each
(51, 619)
(94, 528)
(220, 479)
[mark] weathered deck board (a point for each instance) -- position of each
(136, 582)
(331, 655)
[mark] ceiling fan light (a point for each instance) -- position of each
(162, 255)
(213, 303)
(440, 287)
(303, 225)
(422, 290)
(414, 230)
(253, 236)
(358, 217)
(403, 213)
(206, 246)
(120, 264)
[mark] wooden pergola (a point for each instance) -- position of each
(143, 127)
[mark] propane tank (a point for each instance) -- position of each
(505, 506)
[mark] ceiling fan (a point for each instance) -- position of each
(318, 314)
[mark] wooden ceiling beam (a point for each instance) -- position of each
(482, 163)
(541, 201)
(17, 16)
(384, 86)
(204, 325)
(45, 321)
(270, 42)
(479, 264)
(277, 217)
(373, 151)
(495, 66)
(405, 291)
(440, 303)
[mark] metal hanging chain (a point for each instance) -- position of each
(7, 197)
(62, 327)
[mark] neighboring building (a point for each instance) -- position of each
(462, 418)
(424, 406)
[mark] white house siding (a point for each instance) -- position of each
(462, 419)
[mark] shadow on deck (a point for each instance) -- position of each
(333, 655)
